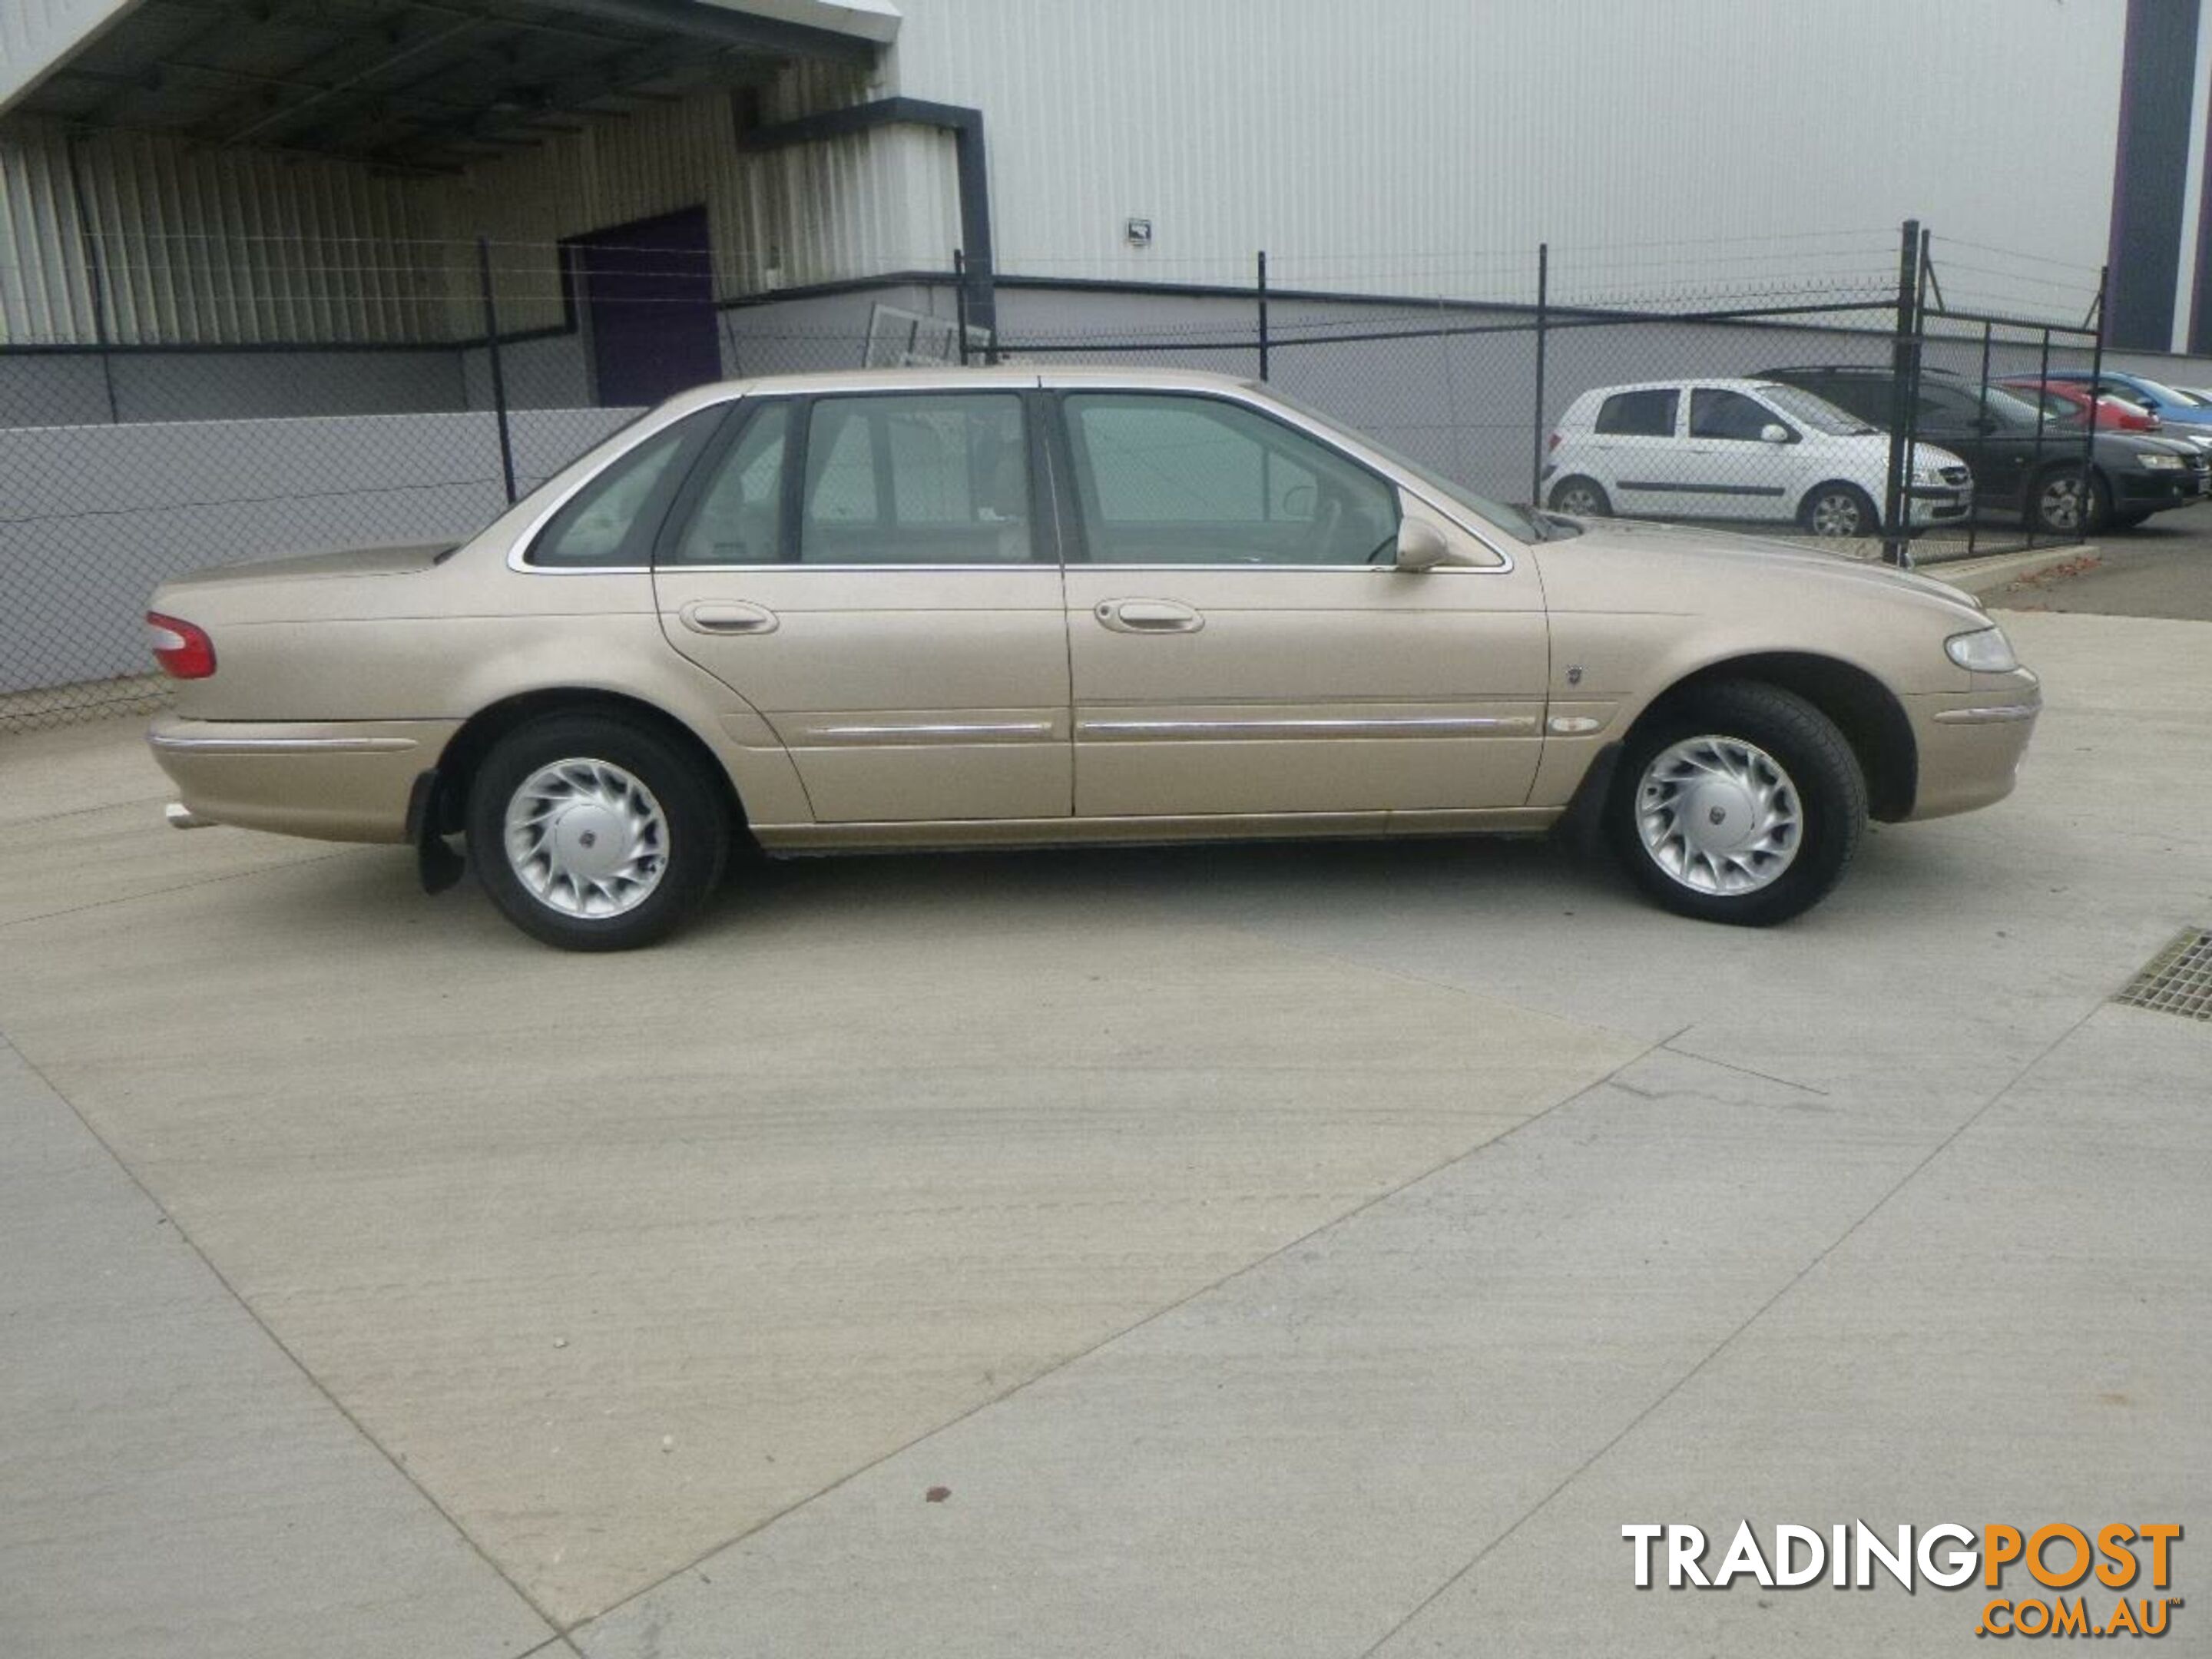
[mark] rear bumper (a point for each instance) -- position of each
(1971, 743)
(333, 781)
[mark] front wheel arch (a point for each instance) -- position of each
(1866, 711)
(465, 750)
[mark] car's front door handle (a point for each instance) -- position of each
(1147, 617)
(727, 616)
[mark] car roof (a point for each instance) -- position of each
(957, 377)
(1712, 382)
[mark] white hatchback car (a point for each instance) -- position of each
(1738, 449)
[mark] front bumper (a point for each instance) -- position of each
(1971, 742)
(2152, 492)
(330, 780)
(1939, 503)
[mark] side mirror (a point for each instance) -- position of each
(1421, 545)
(1774, 433)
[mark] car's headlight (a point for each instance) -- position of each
(1986, 651)
(2165, 463)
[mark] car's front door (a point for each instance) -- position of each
(871, 573)
(1732, 470)
(1241, 644)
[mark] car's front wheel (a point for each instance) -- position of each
(1839, 509)
(594, 833)
(1737, 802)
(2064, 505)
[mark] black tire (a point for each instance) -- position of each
(2053, 504)
(1817, 763)
(1838, 509)
(692, 843)
(1580, 490)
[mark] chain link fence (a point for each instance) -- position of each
(1830, 390)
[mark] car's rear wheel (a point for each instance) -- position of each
(1584, 497)
(1838, 509)
(594, 833)
(2062, 506)
(1737, 802)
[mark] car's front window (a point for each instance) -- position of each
(1513, 521)
(1170, 479)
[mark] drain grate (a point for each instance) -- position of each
(2179, 980)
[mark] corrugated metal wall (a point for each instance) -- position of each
(860, 206)
(197, 245)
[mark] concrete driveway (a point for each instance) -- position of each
(1274, 1251)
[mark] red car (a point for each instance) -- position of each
(2115, 413)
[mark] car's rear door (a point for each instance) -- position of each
(1241, 645)
(874, 572)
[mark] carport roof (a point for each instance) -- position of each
(418, 84)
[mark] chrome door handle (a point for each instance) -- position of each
(727, 616)
(1147, 617)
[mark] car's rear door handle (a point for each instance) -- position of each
(727, 616)
(1147, 617)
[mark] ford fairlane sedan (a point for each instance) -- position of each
(1024, 605)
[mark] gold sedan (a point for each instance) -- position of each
(1015, 606)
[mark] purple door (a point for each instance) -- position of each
(646, 290)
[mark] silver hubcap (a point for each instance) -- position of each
(586, 838)
(2062, 503)
(1835, 516)
(1719, 815)
(1579, 499)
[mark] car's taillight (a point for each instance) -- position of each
(1551, 443)
(183, 648)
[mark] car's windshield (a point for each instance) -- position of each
(1813, 411)
(2189, 396)
(2165, 394)
(1514, 520)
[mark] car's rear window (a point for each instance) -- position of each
(1638, 414)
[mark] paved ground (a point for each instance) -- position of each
(2160, 568)
(1269, 1251)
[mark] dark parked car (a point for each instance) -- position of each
(2024, 460)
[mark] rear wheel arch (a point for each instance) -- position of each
(1867, 712)
(467, 749)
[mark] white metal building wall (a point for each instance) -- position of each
(1389, 144)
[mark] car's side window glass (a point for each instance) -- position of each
(1941, 410)
(917, 478)
(1717, 413)
(1639, 414)
(1165, 479)
(739, 518)
(613, 520)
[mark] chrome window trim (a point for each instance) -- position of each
(644, 430)
(926, 729)
(647, 428)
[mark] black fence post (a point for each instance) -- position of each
(1543, 314)
(1261, 294)
(1974, 517)
(960, 302)
(2037, 486)
(2096, 375)
(1904, 357)
(498, 370)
